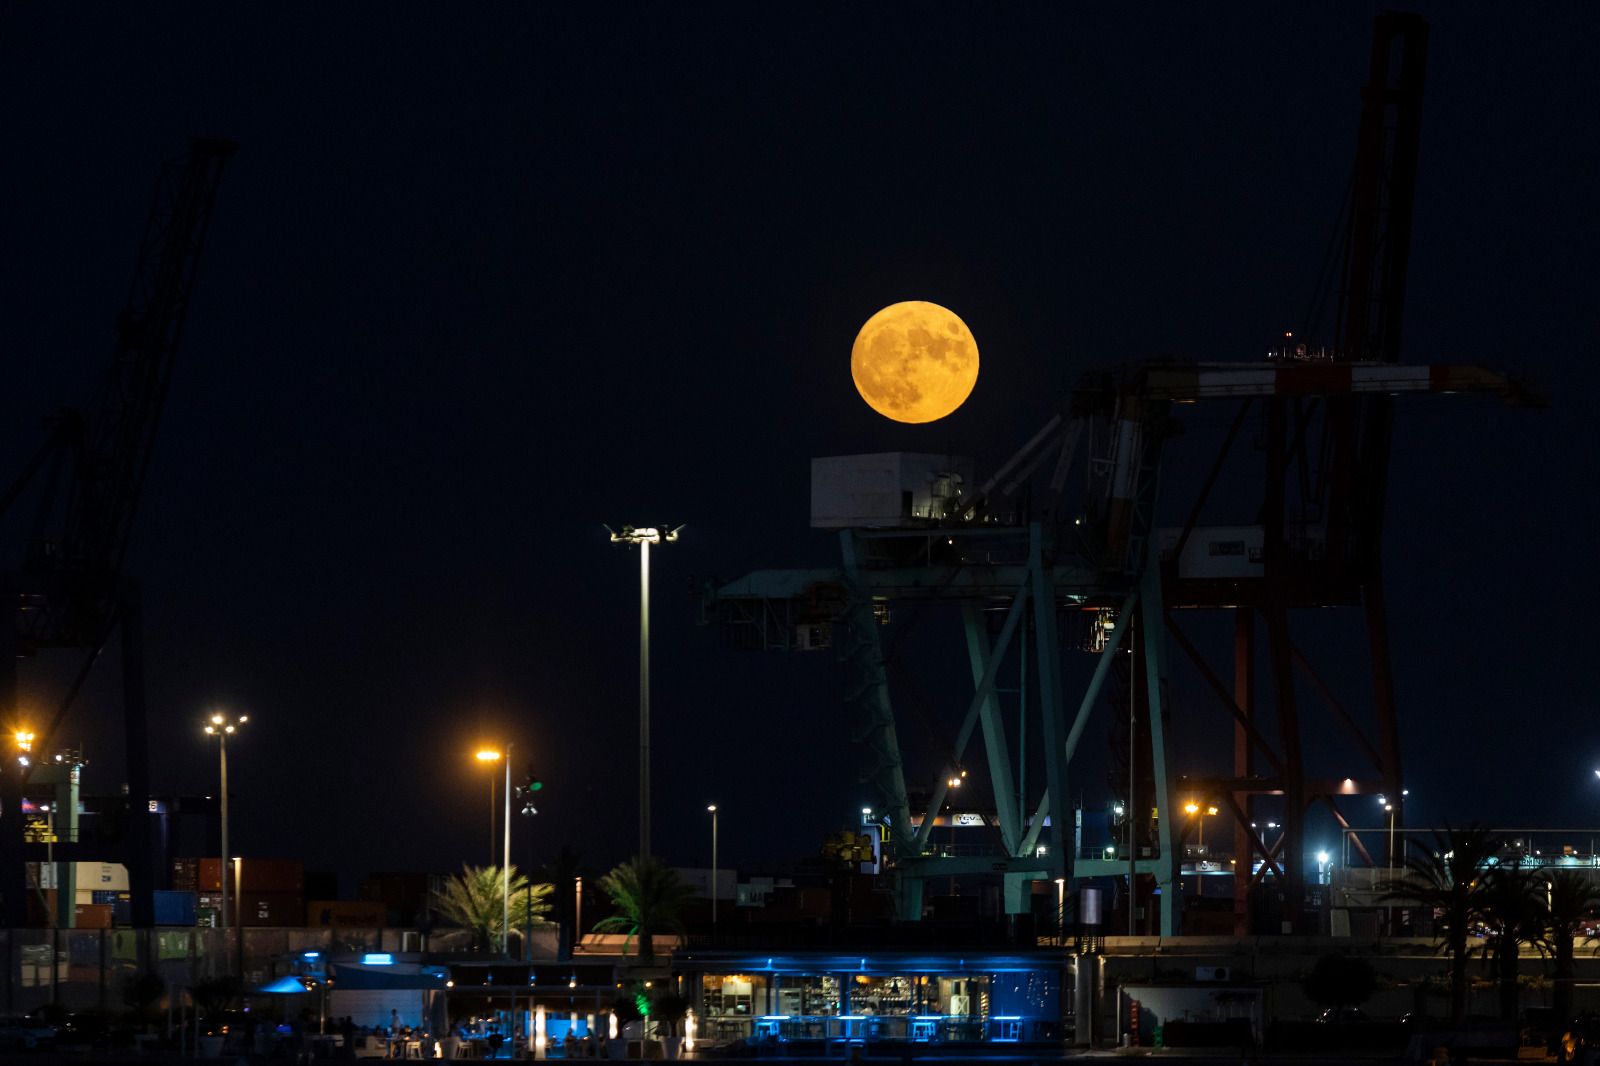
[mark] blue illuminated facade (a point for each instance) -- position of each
(877, 996)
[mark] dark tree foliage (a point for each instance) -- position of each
(1447, 879)
(1340, 981)
(141, 993)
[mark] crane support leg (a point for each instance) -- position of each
(1050, 709)
(1153, 653)
(13, 869)
(867, 701)
(1383, 697)
(1244, 765)
(984, 662)
(136, 833)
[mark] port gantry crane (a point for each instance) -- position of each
(70, 592)
(1021, 554)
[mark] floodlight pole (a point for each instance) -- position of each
(222, 764)
(713, 810)
(222, 726)
(644, 536)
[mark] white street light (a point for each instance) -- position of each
(223, 726)
(713, 810)
(644, 536)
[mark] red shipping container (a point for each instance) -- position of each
(94, 915)
(274, 876)
(210, 875)
(271, 909)
(258, 875)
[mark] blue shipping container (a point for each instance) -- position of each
(175, 908)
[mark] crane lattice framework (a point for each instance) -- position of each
(1021, 549)
(70, 593)
(1013, 557)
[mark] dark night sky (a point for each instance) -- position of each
(484, 277)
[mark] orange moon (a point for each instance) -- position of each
(914, 361)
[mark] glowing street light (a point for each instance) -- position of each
(24, 741)
(1192, 809)
(223, 726)
(486, 756)
(644, 536)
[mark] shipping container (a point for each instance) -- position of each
(345, 914)
(102, 876)
(175, 908)
(186, 875)
(94, 916)
(256, 909)
(271, 909)
(256, 875)
(210, 875)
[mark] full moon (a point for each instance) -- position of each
(914, 361)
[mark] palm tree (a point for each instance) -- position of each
(1574, 901)
(475, 899)
(1447, 880)
(1514, 911)
(649, 899)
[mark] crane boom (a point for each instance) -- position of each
(69, 592)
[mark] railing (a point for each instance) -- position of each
(846, 1028)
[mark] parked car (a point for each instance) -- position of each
(1342, 1015)
(26, 1033)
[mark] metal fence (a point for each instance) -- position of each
(88, 969)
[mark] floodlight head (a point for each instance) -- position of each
(644, 534)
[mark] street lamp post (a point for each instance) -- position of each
(644, 536)
(488, 755)
(713, 810)
(222, 727)
(505, 868)
(1390, 808)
